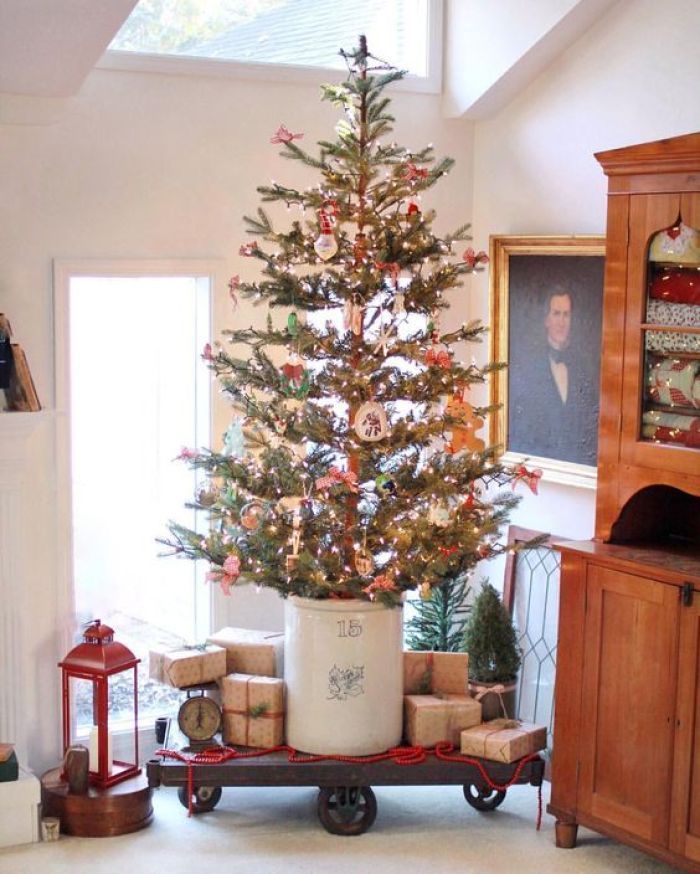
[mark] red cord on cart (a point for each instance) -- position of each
(407, 755)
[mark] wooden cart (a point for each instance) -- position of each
(346, 802)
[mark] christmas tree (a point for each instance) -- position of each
(351, 470)
(439, 622)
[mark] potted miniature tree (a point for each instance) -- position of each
(494, 656)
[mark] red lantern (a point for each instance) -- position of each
(98, 660)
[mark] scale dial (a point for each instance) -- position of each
(199, 718)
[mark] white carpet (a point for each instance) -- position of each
(266, 830)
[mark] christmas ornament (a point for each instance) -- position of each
(472, 258)
(334, 476)
(296, 533)
(425, 592)
(392, 267)
(439, 515)
(462, 433)
(295, 380)
(233, 284)
(412, 173)
(290, 503)
(282, 135)
(438, 356)
(371, 422)
(228, 574)
(412, 212)
(385, 484)
(381, 583)
(326, 244)
(293, 324)
(252, 515)
(531, 478)
(353, 313)
(207, 353)
(207, 497)
(234, 444)
(248, 249)
(360, 248)
(399, 306)
(364, 563)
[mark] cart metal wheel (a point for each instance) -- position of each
(204, 798)
(483, 797)
(347, 810)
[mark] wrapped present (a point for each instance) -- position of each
(188, 666)
(430, 719)
(253, 709)
(251, 652)
(503, 740)
(428, 672)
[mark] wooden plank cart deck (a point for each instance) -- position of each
(346, 802)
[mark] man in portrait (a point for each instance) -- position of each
(553, 410)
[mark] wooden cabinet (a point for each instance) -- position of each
(627, 720)
(651, 324)
(626, 751)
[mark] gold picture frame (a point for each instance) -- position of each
(529, 274)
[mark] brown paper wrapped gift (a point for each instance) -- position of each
(253, 710)
(430, 719)
(503, 740)
(427, 672)
(187, 667)
(252, 652)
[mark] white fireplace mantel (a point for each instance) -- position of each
(27, 549)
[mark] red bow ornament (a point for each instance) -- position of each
(411, 172)
(438, 356)
(531, 478)
(392, 267)
(381, 583)
(473, 258)
(336, 475)
(283, 135)
(228, 574)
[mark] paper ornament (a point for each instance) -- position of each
(370, 422)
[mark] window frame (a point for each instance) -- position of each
(179, 65)
(63, 272)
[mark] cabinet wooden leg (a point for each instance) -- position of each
(565, 834)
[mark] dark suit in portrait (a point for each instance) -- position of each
(553, 385)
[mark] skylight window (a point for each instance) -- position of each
(305, 33)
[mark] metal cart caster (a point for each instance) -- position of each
(483, 798)
(346, 810)
(204, 798)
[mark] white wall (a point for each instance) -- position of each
(148, 166)
(151, 166)
(631, 78)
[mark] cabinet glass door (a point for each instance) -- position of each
(671, 397)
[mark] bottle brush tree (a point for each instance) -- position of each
(439, 622)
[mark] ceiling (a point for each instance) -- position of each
(48, 47)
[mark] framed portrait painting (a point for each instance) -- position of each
(546, 318)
